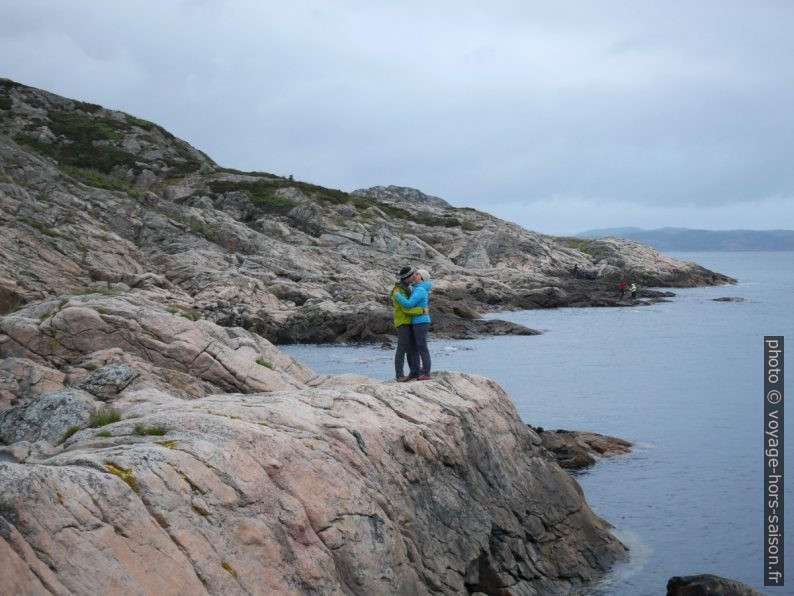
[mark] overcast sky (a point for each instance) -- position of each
(559, 115)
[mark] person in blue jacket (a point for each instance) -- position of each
(420, 324)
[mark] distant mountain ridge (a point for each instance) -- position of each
(701, 240)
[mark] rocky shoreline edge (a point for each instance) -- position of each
(147, 452)
(575, 450)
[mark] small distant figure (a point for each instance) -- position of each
(633, 290)
(622, 288)
(576, 271)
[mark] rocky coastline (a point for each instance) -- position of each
(151, 453)
(92, 198)
(154, 439)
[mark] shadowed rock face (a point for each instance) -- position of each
(92, 198)
(235, 469)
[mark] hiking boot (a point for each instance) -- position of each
(423, 378)
(404, 379)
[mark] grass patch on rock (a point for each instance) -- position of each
(40, 227)
(103, 417)
(470, 226)
(80, 154)
(363, 203)
(69, 433)
(140, 123)
(593, 248)
(154, 431)
(418, 216)
(97, 179)
(198, 228)
(87, 147)
(262, 193)
(326, 195)
(83, 129)
(264, 363)
(101, 291)
(191, 315)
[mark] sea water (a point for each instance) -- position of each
(682, 379)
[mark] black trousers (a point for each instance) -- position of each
(420, 336)
(406, 348)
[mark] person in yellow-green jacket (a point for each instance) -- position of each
(406, 343)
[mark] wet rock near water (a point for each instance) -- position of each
(708, 585)
(729, 299)
(579, 449)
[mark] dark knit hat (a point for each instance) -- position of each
(406, 272)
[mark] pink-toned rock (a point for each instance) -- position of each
(69, 330)
(22, 379)
(84, 534)
(234, 468)
(376, 488)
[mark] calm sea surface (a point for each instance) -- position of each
(682, 379)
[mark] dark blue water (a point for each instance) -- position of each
(683, 380)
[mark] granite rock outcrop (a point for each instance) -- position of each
(231, 468)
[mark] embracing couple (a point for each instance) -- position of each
(410, 300)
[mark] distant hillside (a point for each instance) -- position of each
(95, 199)
(701, 240)
(401, 194)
